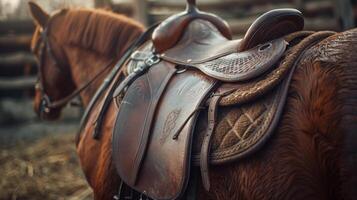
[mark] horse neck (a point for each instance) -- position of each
(85, 65)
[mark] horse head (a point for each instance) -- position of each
(54, 77)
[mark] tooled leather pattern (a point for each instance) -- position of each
(238, 129)
(245, 91)
(240, 126)
(243, 119)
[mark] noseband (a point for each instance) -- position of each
(47, 104)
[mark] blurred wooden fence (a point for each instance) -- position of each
(17, 64)
(319, 14)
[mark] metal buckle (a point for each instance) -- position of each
(154, 59)
(45, 101)
(143, 195)
(139, 69)
(147, 63)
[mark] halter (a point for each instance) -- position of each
(47, 104)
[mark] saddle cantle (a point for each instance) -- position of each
(168, 107)
(271, 25)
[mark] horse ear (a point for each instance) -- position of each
(38, 14)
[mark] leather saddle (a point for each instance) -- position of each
(177, 82)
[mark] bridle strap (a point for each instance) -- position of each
(65, 100)
(47, 103)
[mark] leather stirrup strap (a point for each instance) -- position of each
(206, 144)
(212, 112)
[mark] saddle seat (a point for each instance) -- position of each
(203, 47)
(269, 26)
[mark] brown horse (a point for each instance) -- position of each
(311, 156)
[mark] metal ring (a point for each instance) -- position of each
(181, 69)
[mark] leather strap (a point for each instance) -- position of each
(137, 73)
(65, 100)
(194, 112)
(213, 103)
(212, 112)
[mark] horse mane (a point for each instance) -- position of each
(101, 31)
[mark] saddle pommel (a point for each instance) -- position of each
(191, 2)
(272, 25)
(170, 31)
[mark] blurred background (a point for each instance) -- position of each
(38, 159)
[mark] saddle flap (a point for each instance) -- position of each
(166, 160)
(138, 107)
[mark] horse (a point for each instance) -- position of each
(312, 154)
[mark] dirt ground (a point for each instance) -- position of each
(38, 159)
(45, 169)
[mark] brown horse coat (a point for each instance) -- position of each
(309, 156)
